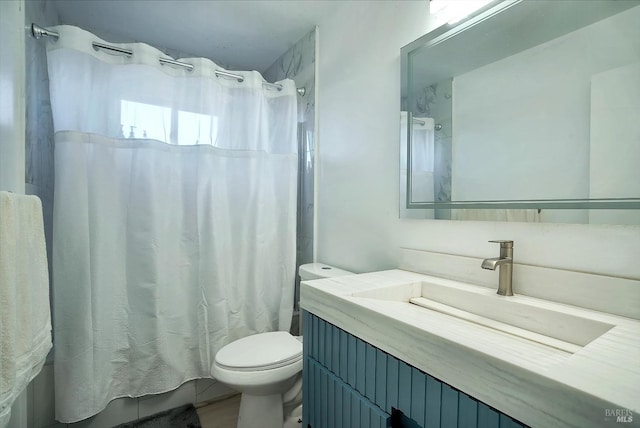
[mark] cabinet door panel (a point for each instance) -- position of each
(467, 411)
(335, 404)
(418, 396)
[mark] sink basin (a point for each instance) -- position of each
(518, 316)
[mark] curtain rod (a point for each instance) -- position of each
(437, 126)
(39, 32)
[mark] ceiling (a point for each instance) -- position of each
(241, 35)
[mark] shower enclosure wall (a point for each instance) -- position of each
(298, 63)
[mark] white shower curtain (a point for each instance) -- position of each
(174, 218)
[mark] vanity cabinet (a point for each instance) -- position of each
(349, 383)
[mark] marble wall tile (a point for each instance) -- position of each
(298, 63)
(435, 101)
(39, 122)
(39, 162)
(39, 168)
(295, 61)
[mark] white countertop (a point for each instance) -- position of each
(539, 385)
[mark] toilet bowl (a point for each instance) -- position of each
(262, 367)
(267, 369)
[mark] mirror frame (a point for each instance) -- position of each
(440, 35)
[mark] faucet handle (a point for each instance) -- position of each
(503, 243)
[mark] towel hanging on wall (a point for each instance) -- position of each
(25, 318)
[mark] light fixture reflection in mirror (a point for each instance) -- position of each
(454, 11)
(539, 104)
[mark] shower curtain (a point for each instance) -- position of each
(174, 217)
(422, 165)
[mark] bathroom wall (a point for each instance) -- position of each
(12, 96)
(357, 208)
(299, 63)
(12, 151)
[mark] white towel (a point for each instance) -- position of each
(25, 318)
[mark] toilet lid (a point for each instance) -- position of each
(260, 352)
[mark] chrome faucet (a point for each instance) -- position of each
(505, 264)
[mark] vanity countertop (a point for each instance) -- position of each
(538, 385)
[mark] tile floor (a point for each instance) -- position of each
(220, 414)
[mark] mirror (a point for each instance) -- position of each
(526, 111)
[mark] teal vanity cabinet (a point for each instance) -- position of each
(349, 383)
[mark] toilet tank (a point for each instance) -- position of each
(311, 271)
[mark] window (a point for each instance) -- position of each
(140, 120)
(195, 128)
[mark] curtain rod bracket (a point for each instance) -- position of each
(39, 32)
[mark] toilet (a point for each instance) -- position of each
(267, 369)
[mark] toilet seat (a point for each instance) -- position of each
(280, 364)
(263, 351)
